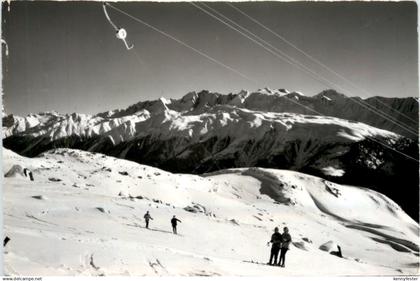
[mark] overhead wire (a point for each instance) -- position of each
(184, 44)
(234, 70)
(270, 52)
(354, 85)
(295, 63)
(371, 138)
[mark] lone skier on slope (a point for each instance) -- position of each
(174, 222)
(285, 242)
(276, 239)
(147, 217)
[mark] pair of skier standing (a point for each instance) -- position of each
(279, 243)
(174, 221)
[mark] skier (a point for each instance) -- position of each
(31, 176)
(285, 242)
(174, 222)
(147, 217)
(337, 253)
(5, 241)
(275, 247)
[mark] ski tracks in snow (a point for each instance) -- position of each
(158, 268)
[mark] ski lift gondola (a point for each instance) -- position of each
(121, 33)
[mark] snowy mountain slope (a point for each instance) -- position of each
(229, 124)
(328, 102)
(204, 132)
(90, 206)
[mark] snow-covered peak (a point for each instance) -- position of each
(199, 113)
(328, 102)
(243, 93)
(330, 95)
(268, 91)
(190, 97)
(108, 114)
(208, 120)
(45, 113)
(158, 107)
(265, 90)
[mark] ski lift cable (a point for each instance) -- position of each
(192, 48)
(317, 76)
(391, 108)
(256, 42)
(267, 49)
(317, 61)
(239, 73)
(184, 44)
(296, 63)
(368, 137)
(354, 85)
(288, 59)
(122, 31)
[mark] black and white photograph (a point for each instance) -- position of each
(206, 139)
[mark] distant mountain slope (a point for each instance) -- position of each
(205, 132)
(404, 111)
(385, 113)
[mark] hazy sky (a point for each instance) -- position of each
(65, 57)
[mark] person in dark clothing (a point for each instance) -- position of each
(174, 222)
(147, 218)
(337, 253)
(5, 241)
(285, 242)
(275, 246)
(31, 176)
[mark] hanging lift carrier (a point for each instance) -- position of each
(120, 33)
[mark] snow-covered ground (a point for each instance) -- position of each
(82, 215)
